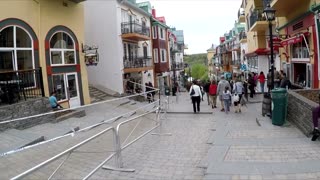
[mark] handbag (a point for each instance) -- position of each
(192, 91)
(236, 98)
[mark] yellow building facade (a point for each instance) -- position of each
(297, 30)
(47, 34)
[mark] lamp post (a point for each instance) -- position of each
(270, 15)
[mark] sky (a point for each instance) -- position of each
(203, 21)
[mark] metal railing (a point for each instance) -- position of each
(134, 27)
(256, 16)
(242, 35)
(177, 66)
(118, 147)
(22, 84)
(137, 62)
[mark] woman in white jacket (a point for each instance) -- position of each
(196, 96)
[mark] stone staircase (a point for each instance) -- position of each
(97, 95)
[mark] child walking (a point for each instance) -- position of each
(226, 99)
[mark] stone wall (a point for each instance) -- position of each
(300, 110)
(25, 109)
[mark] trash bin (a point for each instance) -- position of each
(167, 91)
(279, 106)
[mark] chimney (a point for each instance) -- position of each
(154, 12)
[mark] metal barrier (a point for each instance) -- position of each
(118, 147)
(80, 130)
(70, 150)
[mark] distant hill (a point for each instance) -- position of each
(195, 59)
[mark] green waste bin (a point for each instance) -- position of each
(279, 106)
(167, 91)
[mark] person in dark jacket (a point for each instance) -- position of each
(251, 85)
(285, 82)
(206, 90)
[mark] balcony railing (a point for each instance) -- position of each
(177, 66)
(236, 62)
(134, 27)
(266, 2)
(137, 62)
(256, 16)
(242, 35)
(20, 85)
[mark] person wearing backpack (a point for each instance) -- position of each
(213, 94)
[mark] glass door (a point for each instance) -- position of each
(73, 90)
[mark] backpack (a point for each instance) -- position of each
(213, 89)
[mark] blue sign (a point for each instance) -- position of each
(243, 67)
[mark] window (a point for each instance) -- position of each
(62, 49)
(163, 55)
(155, 55)
(16, 49)
(300, 50)
(161, 33)
(58, 84)
(125, 51)
(154, 32)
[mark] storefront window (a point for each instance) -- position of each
(58, 84)
(300, 50)
(16, 49)
(62, 49)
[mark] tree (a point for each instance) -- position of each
(199, 71)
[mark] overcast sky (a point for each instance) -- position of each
(203, 21)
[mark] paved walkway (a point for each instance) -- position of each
(209, 145)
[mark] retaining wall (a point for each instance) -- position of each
(300, 110)
(24, 109)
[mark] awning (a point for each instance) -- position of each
(293, 40)
(259, 51)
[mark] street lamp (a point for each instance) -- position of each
(270, 15)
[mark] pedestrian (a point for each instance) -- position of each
(152, 89)
(285, 82)
(277, 78)
(221, 88)
(262, 79)
(269, 81)
(251, 85)
(149, 95)
(206, 90)
(53, 102)
(238, 90)
(213, 94)
(196, 95)
(226, 99)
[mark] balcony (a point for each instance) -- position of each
(177, 66)
(236, 62)
(241, 16)
(284, 8)
(257, 21)
(137, 63)
(135, 31)
(20, 85)
(242, 37)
